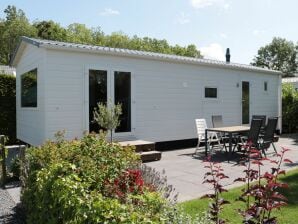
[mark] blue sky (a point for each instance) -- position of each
(212, 25)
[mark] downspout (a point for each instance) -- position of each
(280, 103)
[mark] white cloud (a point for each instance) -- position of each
(205, 3)
(183, 18)
(258, 33)
(223, 35)
(226, 6)
(213, 51)
(109, 12)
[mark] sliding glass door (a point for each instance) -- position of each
(114, 86)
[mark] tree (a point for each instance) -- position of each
(50, 30)
(107, 116)
(98, 36)
(11, 29)
(79, 33)
(15, 24)
(279, 55)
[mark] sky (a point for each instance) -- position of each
(212, 25)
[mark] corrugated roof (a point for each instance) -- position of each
(290, 79)
(7, 70)
(142, 54)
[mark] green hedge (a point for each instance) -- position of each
(90, 181)
(289, 108)
(8, 107)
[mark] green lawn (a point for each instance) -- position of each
(287, 215)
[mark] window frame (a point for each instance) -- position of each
(265, 86)
(113, 74)
(210, 87)
(21, 90)
(111, 68)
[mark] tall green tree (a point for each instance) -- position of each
(12, 28)
(279, 55)
(98, 36)
(15, 24)
(79, 33)
(50, 30)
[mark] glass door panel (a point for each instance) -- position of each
(122, 95)
(245, 102)
(97, 94)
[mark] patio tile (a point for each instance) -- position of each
(185, 171)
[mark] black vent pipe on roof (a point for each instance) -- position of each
(228, 55)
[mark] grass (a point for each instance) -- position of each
(287, 214)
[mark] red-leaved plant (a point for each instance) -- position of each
(130, 181)
(261, 193)
(214, 177)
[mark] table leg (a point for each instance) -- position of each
(206, 142)
(230, 146)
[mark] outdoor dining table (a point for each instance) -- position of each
(230, 131)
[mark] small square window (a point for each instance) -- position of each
(265, 86)
(210, 92)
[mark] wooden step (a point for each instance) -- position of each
(150, 156)
(145, 149)
(141, 145)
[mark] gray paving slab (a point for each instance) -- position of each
(186, 171)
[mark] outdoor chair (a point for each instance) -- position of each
(253, 134)
(212, 137)
(268, 137)
(263, 118)
(218, 123)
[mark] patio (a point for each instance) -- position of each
(186, 172)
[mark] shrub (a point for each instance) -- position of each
(15, 168)
(289, 107)
(90, 181)
(8, 107)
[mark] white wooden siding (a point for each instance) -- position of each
(30, 121)
(168, 96)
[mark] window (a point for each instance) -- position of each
(210, 92)
(122, 88)
(29, 89)
(265, 86)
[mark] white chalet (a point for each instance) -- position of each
(59, 84)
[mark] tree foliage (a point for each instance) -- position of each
(108, 116)
(11, 29)
(279, 55)
(8, 107)
(289, 107)
(50, 30)
(16, 24)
